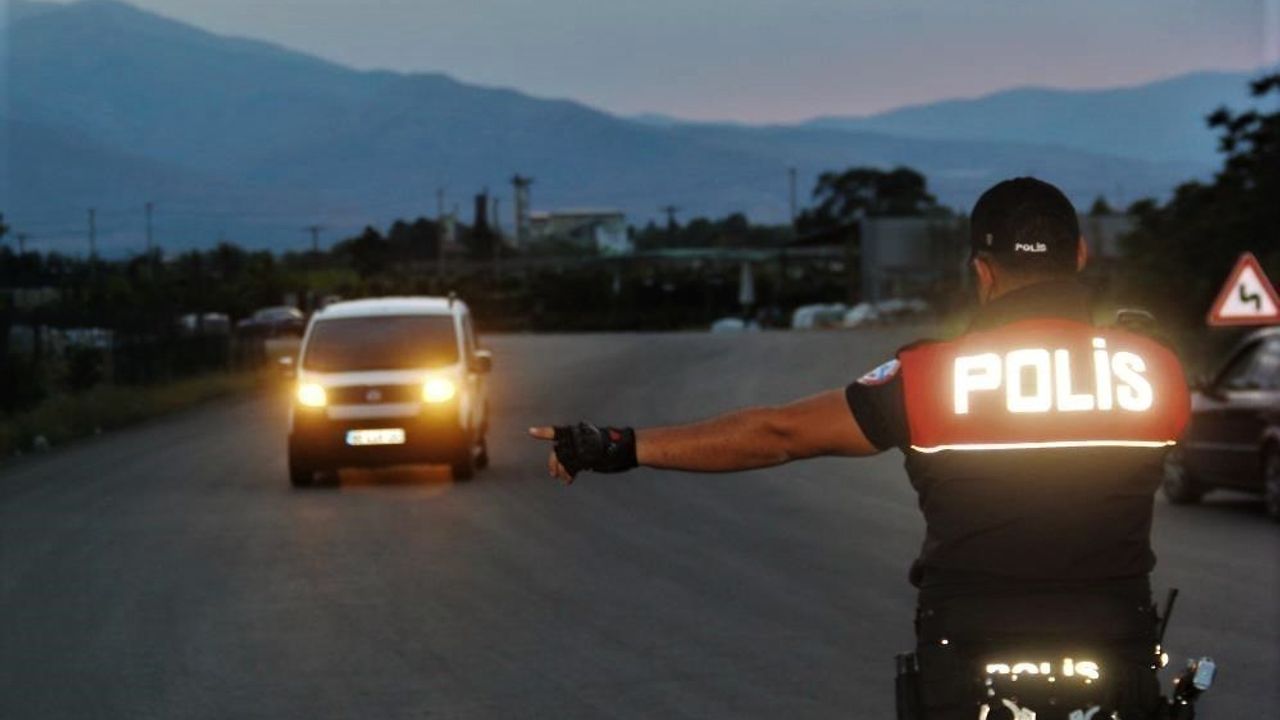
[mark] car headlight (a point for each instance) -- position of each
(312, 395)
(438, 390)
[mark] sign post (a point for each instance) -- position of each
(1248, 297)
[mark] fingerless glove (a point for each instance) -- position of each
(587, 447)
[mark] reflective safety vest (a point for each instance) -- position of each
(1036, 447)
(1043, 383)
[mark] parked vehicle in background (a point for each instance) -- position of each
(734, 325)
(1233, 440)
(210, 323)
(273, 321)
(836, 315)
(811, 317)
(389, 381)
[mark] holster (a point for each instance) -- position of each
(907, 687)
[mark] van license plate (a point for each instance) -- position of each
(376, 436)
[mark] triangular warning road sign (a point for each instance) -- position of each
(1248, 298)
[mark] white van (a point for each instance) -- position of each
(389, 381)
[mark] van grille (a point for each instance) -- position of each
(374, 394)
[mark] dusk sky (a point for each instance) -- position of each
(762, 60)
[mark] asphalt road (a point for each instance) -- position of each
(168, 571)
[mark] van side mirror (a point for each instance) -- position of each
(284, 363)
(482, 362)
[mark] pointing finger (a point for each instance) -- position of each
(543, 432)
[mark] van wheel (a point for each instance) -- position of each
(1271, 481)
(464, 467)
(1179, 485)
(301, 475)
(482, 458)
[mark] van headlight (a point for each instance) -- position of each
(312, 395)
(438, 390)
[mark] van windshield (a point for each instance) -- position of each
(394, 342)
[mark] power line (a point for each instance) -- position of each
(357, 214)
(45, 228)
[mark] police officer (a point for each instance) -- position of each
(1035, 442)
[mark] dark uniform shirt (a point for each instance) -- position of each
(1035, 443)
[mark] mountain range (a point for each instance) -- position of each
(111, 107)
(1159, 121)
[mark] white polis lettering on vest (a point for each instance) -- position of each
(1067, 668)
(1038, 381)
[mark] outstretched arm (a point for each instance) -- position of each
(746, 439)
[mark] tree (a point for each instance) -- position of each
(862, 191)
(1191, 241)
(733, 230)
(368, 252)
(1100, 207)
(418, 240)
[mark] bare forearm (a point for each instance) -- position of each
(740, 440)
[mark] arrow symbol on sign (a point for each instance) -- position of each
(1254, 298)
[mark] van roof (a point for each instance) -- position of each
(407, 305)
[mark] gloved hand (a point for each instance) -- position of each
(587, 447)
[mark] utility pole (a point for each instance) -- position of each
(93, 233)
(315, 237)
(521, 185)
(670, 210)
(791, 177)
(22, 243)
(440, 234)
(497, 240)
(149, 207)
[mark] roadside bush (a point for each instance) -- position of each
(22, 384)
(61, 418)
(84, 368)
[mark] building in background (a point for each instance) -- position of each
(602, 231)
(908, 257)
(902, 257)
(1103, 234)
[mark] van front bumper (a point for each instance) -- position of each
(431, 436)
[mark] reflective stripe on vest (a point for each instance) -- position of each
(1044, 383)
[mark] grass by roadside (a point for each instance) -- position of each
(106, 407)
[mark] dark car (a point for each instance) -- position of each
(1234, 437)
(273, 322)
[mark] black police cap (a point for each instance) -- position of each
(1025, 223)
